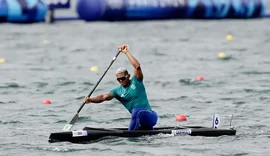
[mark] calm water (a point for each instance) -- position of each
(172, 54)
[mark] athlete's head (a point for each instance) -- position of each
(122, 76)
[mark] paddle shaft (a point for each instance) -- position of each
(99, 81)
(76, 116)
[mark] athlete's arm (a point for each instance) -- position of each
(99, 98)
(137, 68)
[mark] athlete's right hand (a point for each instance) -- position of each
(123, 48)
(87, 100)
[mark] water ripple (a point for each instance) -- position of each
(42, 69)
(78, 50)
(166, 116)
(12, 85)
(189, 82)
(255, 73)
(66, 83)
(10, 122)
(237, 154)
(61, 121)
(40, 84)
(57, 149)
(43, 115)
(120, 119)
(170, 99)
(88, 83)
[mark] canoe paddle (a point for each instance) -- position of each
(69, 125)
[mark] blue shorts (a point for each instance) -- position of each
(142, 119)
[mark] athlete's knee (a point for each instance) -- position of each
(132, 124)
(149, 119)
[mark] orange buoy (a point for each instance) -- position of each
(46, 102)
(181, 117)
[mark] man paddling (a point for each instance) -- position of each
(132, 94)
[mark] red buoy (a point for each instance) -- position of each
(181, 117)
(46, 102)
(199, 78)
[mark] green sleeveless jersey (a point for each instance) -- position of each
(132, 96)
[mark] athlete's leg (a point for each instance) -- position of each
(142, 119)
(134, 122)
(147, 119)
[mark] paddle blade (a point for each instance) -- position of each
(71, 123)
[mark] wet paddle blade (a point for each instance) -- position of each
(68, 126)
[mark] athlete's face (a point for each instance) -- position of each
(123, 79)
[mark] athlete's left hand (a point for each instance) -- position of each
(87, 100)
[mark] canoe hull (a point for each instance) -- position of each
(89, 134)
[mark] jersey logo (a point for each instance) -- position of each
(122, 95)
(133, 86)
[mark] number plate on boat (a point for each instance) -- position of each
(79, 133)
(181, 132)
